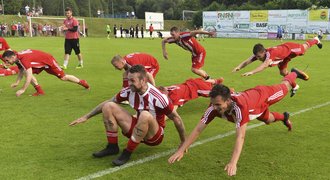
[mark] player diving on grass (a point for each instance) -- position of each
(240, 108)
(191, 89)
(147, 126)
(32, 62)
(278, 56)
(187, 41)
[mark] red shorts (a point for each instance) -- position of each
(154, 141)
(296, 50)
(54, 69)
(272, 94)
(198, 60)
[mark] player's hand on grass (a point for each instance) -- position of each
(78, 121)
(236, 69)
(247, 74)
(177, 156)
(19, 92)
(165, 55)
(231, 169)
(14, 85)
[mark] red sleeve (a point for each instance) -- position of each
(185, 35)
(75, 22)
(122, 95)
(25, 63)
(209, 115)
(242, 115)
(4, 45)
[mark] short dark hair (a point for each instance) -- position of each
(8, 53)
(258, 48)
(175, 29)
(138, 69)
(220, 90)
(68, 9)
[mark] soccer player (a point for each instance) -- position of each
(108, 29)
(149, 62)
(240, 108)
(151, 30)
(279, 55)
(147, 126)
(7, 71)
(187, 41)
(34, 62)
(70, 25)
(191, 89)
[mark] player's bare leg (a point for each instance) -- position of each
(203, 74)
(284, 72)
(113, 117)
(66, 61)
(81, 62)
(37, 87)
(74, 79)
(145, 129)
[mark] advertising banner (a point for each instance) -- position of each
(297, 15)
(319, 15)
(259, 27)
(277, 15)
(259, 16)
(156, 19)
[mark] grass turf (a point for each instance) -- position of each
(37, 143)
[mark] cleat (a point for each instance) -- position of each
(64, 67)
(80, 66)
(286, 121)
(219, 80)
(123, 158)
(294, 90)
(111, 149)
(38, 94)
(84, 84)
(300, 74)
(319, 44)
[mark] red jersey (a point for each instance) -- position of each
(151, 28)
(248, 105)
(146, 60)
(3, 44)
(34, 59)
(281, 52)
(70, 23)
(189, 43)
(189, 90)
(152, 101)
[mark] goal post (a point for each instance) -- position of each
(188, 14)
(58, 21)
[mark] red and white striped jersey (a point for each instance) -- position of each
(146, 60)
(189, 43)
(152, 100)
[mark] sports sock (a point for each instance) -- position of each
(131, 145)
(278, 116)
(65, 63)
(112, 137)
(311, 42)
(81, 62)
(38, 89)
(291, 78)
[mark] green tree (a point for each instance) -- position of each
(13, 6)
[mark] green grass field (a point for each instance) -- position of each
(37, 143)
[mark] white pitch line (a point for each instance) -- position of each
(197, 143)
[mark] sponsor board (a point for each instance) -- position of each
(259, 16)
(318, 15)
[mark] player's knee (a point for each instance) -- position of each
(145, 116)
(284, 72)
(108, 107)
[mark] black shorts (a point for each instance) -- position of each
(72, 44)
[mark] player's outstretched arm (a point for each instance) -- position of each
(28, 74)
(164, 41)
(194, 33)
(18, 79)
(231, 167)
(260, 68)
(175, 117)
(97, 110)
(177, 156)
(243, 64)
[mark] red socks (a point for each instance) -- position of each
(278, 116)
(131, 145)
(291, 78)
(112, 137)
(311, 42)
(38, 89)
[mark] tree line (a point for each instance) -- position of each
(172, 9)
